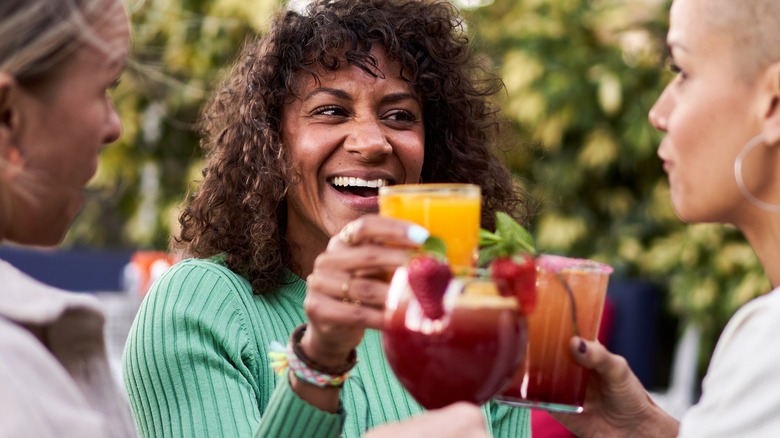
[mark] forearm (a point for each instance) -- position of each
(287, 414)
(325, 399)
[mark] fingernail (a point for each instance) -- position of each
(582, 348)
(417, 234)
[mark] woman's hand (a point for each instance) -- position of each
(461, 420)
(348, 284)
(616, 404)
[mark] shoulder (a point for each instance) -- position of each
(739, 392)
(196, 284)
(26, 300)
(203, 274)
(760, 315)
(37, 393)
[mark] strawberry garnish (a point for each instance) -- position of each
(516, 277)
(428, 278)
(508, 252)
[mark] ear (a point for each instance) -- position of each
(9, 118)
(771, 105)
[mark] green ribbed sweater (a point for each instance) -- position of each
(196, 364)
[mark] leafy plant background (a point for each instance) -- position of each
(580, 78)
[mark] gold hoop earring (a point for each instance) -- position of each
(738, 163)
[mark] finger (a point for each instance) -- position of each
(367, 257)
(373, 228)
(345, 287)
(326, 311)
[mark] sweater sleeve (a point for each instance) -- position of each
(194, 366)
(187, 361)
(288, 415)
(508, 422)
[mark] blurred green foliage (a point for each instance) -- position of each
(580, 75)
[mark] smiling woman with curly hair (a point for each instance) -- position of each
(329, 105)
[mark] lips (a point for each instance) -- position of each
(663, 155)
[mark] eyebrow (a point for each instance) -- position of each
(341, 94)
(325, 90)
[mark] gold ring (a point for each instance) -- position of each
(345, 292)
(347, 234)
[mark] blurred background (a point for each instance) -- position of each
(580, 77)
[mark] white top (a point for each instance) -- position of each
(741, 391)
(63, 388)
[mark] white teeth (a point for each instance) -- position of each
(348, 181)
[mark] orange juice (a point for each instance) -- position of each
(450, 212)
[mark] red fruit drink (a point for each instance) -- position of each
(549, 378)
(469, 354)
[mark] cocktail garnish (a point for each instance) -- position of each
(428, 278)
(509, 239)
(509, 254)
(516, 276)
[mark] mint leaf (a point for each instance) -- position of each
(435, 246)
(486, 238)
(488, 254)
(514, 233)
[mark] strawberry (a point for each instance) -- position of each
(516, 276)
(428, 278)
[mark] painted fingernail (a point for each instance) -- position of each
(417, 234)
(582, 348)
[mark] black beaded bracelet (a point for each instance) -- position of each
(295, 340)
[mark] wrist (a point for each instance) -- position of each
(307, 370)
(325, 356)
(657, 424)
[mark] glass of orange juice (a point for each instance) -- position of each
(450, 212)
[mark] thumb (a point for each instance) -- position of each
(593, 355)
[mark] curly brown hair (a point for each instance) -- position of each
(240, 208)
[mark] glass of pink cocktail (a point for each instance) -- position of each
(468, 353)
(570, 296)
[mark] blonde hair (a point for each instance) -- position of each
(754, 28)
(37, 35)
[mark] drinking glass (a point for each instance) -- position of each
(469, 354)
(570, 297)
(450, 212)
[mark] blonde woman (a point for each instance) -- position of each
(58, 58)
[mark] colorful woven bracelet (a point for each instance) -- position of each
(287, 358)
(295, 341)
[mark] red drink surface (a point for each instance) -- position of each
(468, 356)
(549, 374)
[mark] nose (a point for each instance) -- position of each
(368, 140)
(113, 127)
(659, 113)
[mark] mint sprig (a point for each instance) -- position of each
(509, 239)
(436, 247)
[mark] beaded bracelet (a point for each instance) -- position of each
(304, 367)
